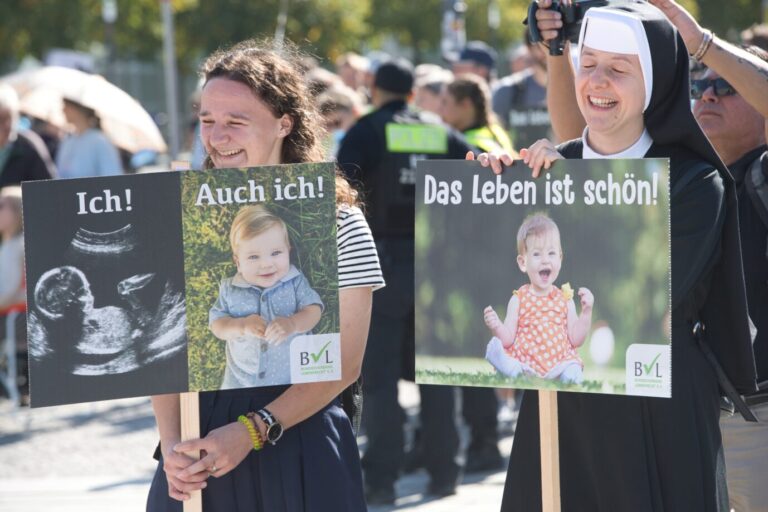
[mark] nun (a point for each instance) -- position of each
(638, 454)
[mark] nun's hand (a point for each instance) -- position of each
(494, 159)
(540, 155)
(548, 21)
(686, 24)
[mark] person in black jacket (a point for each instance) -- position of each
(636, 453)
(23, 155)
(379, 155)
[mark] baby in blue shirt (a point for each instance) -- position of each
(266, 304)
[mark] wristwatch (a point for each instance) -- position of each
(274, 428)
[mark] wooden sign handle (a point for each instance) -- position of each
(550, 452)
(190, 405)
(190, 429)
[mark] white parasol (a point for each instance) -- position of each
(123, 119)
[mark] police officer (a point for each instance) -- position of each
(379, 155)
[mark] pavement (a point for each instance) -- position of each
(45, 466)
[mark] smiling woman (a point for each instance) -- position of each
(256, 111)
(238, 127)
(649, 454)
(610, 92)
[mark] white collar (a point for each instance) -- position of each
(636, 150)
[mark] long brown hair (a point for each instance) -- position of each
(273, 74)
(477, 91)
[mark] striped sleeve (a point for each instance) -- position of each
(358, 259)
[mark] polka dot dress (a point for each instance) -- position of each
(542, 341)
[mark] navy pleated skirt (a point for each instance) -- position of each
(314, 467)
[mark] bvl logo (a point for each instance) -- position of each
(649, 370)
(316, 357)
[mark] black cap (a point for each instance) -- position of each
(479, 53)
(395, 76)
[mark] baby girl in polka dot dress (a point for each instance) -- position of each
(542, 330)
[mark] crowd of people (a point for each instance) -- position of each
(626, 90)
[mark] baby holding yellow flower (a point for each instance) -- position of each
(542, 330)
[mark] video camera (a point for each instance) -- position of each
(573, 13)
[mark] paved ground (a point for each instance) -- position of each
(44, 466)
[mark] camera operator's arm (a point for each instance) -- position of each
(564, 114)
(747, 73)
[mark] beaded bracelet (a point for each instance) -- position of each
(258, 443)
(706, 42)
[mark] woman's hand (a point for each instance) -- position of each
(686, 24)
(173, 464)
(224, 448)
(494, 159)
(541, 154)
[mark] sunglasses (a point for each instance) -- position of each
(719, 86)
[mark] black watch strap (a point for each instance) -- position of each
(274, 428)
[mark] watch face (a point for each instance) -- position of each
(274, 432)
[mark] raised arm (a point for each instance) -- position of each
(745, 72)
(565, 116)
(580, 324)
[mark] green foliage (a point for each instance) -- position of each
(729, 18)
(327, 27)
(324, 27)
(208, 256)
(458, 371)
(510, 29)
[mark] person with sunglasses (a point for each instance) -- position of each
(720, 87)
(731, 106)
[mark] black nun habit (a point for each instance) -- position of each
(637, 454)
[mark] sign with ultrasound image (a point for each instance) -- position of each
(123, 271)
(105, 288)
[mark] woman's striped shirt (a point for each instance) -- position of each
(358, 259)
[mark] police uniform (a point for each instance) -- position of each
(379, 155)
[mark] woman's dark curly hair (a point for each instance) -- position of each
(273, 74)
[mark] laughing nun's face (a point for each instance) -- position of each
(610, 91)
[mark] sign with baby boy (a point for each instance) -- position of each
(181, 281)
(561, 282)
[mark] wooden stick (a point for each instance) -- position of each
(550, 452)
(190, 429)
(190, 405)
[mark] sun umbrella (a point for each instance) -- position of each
(123, 119)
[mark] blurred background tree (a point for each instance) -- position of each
(327, 27)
